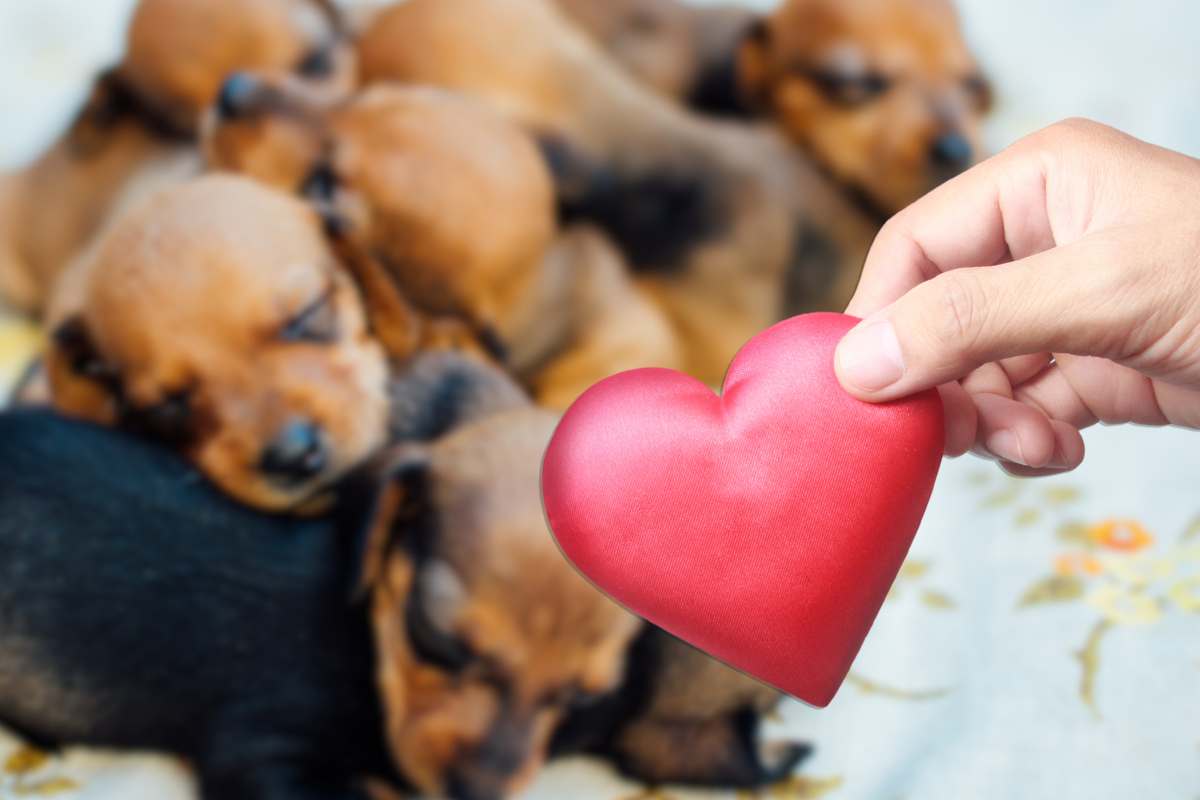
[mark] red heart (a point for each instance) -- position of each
(764, 526)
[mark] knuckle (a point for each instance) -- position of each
(960, 306)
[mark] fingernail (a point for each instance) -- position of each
(869, 357)
(1005, 444)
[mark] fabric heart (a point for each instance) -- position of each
(763, 526)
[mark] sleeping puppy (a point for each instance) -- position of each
(683, 717)
(215, 318)
(141, 609)
(885, 95)
(436, 197)
(486, 636)
(137, 130)
(686, 206)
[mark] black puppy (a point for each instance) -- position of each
(141, 609)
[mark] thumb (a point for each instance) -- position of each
(946, 327)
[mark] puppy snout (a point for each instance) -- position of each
(299, 453)
(951, 153)
(239, 95)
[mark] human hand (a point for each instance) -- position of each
(1051, 287)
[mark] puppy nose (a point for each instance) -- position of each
(951, 152)
(298, 453)
(237, 95)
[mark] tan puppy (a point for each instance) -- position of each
(436, 197)
(685, 205)
(884, 94)
(216, 319)
(487, 637)
(136, 131)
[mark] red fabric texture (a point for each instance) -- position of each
(764, 525)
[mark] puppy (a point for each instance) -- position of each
(885, 95)
(437, 198)
(216, 318)
(136, 132)
(701, 229)
(683, 717)
(142, 609)
(486, 636)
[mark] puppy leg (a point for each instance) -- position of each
(279, 782)
(724, 751)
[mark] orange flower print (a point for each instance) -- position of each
(1120, 534)
(1076, 564)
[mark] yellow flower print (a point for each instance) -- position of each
(1120, 534)
(1124, 607)
(1073, 564)
(1137, 570)
(1186, 595)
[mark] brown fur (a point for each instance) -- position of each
(463, 536)
(456, 205)
(189, 296)
(136, 132)
(533, 65)
(655, 40)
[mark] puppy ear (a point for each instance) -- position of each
(754, 64)
(375, 502)
(82, 384)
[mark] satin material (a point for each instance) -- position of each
(764, 525)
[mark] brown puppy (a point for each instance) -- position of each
(215, 318)
(487, 637)
(136, 131)
(685, 205)
(885, 95)
(436, 197)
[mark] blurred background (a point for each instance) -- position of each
(1132, 65)
(984, 677)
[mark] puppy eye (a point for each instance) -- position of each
(431, 645)
(315, 324)
(851, 90)
(318, 63)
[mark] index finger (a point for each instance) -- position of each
(991, 214)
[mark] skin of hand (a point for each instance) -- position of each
(1053, 286)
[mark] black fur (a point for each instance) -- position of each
(657, 216)
(599, 730)
(139, 608)
(717, 92)
(441, 390)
